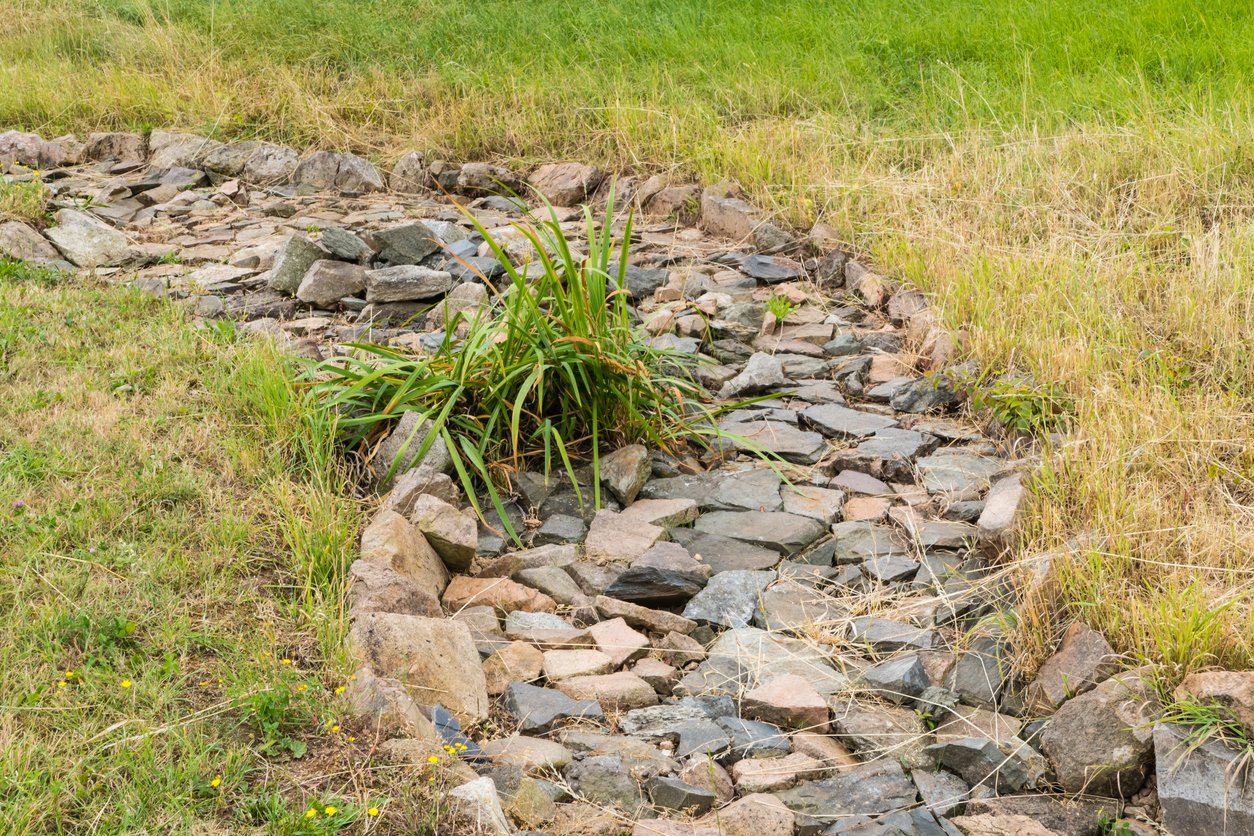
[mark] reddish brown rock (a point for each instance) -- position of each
(788, 701)
(616, 691)
(502, 594)
(618, 641)
(1231, 691)
(1083, 660)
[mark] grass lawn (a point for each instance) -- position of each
(1073, 180)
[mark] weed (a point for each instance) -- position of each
(1017, 404)
(23, 201)
(285, 706)
(779, 306)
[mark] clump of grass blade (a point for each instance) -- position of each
(553, 376)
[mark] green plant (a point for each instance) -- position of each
(556, 374)
(23, 201)
(281, 709)
(16, 329)
(98, 641)
(1207, 721)
(780, 306)
(315, 817)
(1017, 404)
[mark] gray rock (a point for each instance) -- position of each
(482, 179)
(538, 710)
(1202, 789)
(869, 789)
(406, 441)
(892, 442)
(271, 164)
(784, 440)
(701, 737)
(979, 761)
(753, 739)
(979, 674)
(835, 421)
(478, 802)
(552, 581)
(604, 779)
(794, 607)
(22, 243)
(560, 529)
(900, 823)
(881, 731)
(891, 568)
(844, 345)
(292, 262)
(861, 540)
(327, 282)
(744, 658)
(899, 680)
(1064, 815)
(730, 599)
(408, 244)
(518, 621)
(884, 635)
(656, 588)
(963, 475)
(343, 244)
(86, 241)
(772, 268)
(406, 283)
(358, 175)
(927, 394)
(317, 170)
(723, 554)
(785, 533)
(592, 578)
(753, 489)
(943, 793)
(761, 372)
(673, 794)
(625, 471)
(642, 282)
(658, 722)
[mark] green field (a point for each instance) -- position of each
(1073, 180)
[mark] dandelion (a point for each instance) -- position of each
(373, 811)
(61, 684)
(351, 739)
(126, 683)
(431, 779)
(335, 728)
(311, 814)
(69, 674)
(433, 759)
(287, 661)
(216, 782)
(330, 811)
(339, 690)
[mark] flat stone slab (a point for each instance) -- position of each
(835, 421)
(778, 531)
(963, 475)
(871, 789)
(781, 439)
(730, 599)
(538, 709)
(723, 554)
(884, 635)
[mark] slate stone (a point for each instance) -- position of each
(729, 599)
(898, 680)
(701, 738)
(673, 794)
(538, 710)
(560, 529)
(779, 531)
(642, 282)
(917, 822)
(835, 421)
(408, 244)
(892, 568)
(518, 621)
(1201, 790)
(753, 739)
(1065, 815)
(658, 722)
(699, 487)
(887, 636)
(979, 674)
(592, 579)
(292, 261)
(450, 731)
(928, 394)
(343, 244)
(871, 789)
(943, 793)
(776, 437)
(604, 779)
(723, 554)
(962, 474)
(772, 268)
(978, 761)
(792, 607)
(405, 283)
(655, 588)
(743, 658)
(860, 540)
(877, 731)
(890, 442)
(754, 489)
(473, 268)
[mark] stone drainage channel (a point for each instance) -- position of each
(720, 648)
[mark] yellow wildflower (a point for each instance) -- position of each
(126, 683)
(330, 811)
(216, 782)
(373, 811)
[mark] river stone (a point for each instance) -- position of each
(538, 710)
(870, 789)
(778, 531)
(1201, 788)
(86, 241)
(730, 599)
(436, 659)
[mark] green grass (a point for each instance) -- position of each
(172, 558)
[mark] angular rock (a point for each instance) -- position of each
(614, 539)
(730, 599)
(816, 503)
(980, 761)
(772, 268)
(327, 282)
(999, 520)
(21, 243)
(565, 184)
(663, 513)
(653, 587)
(870, 789)
(390, 541)
(1101, 742)
(453, 534)
(615, 691)
(379, 588)
(793, 607)
(657, 621)
(673, 794)
(759, 814)
(884, 635)
(701, 738)
(538, 710)
(435, 658)
(408, 244)
(503, 595)
(878, 731)
(979, 674)
(787, 701)
(292, 262)
(388, 705)
(1201, 788)
(781, 439)
(754, 740)
(831, 754)
(1231, 692)
(674, 558)
(898, 680)
(408, 174)
(531, 754)
(774, 774)
(836, 421)
(787, 534)
(761, 372)
(618, 641)
(943, 793)
(478, 804)
(723, 554)
(405, 283)
(550, 580)
(86, 241)
(565, 664)
(957, 474)
(172, 150)
(516, 662)
(625, 471)
(271, 164)
(358, 175)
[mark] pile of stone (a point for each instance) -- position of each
(725, 646)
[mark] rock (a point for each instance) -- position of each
(723, 554)
(701, 738)
(730, 599)
(406, 283)
(86, 241)
(761, 372)
(884, 635)
(642, 760)
(565, 184)
(407, 245)
(657, 621)
(604, 779)
(792, 607)
(666, 827)
(344, 245)
(1036, 815)
(454, 535)
(615, 691)
(773, 268)
(999, 520)
(550, 580)
(659, 722)
(538, 710)
(502, 594)
(172, 150)
(943, 793)
(816, 503)
(748, 657)
(391, 542)
(870, 789)
(658, 674)
(785, 533)
(724, 213)
(788, 701)
(388, 706)
(649, 586)
(25, 149)
(978, 675)
(116, 146)
(680, 202)
(435, 658)
(357, 175)
(1203, 789)
(927, 394)
(679, 649)
(292, 262)
(831, 754)
(614, 539)
(674, 559)
(964, 721)
(21, 243)
(482, 179)
(399, 451)
(835, 421)
(408, 174)
(625, 471)
(673, 794)
(663, 513)
(327, 282)
(751, 739)
(783, 440)
(379, 588)
(271, 164)
(618, 641)
(709, 776)
(1230, 692)
(1101, 742)
(517, 622)
(560, 529)
(478, 804)
(565, 664)
(980, 761)
(531, 754)
(531, 805)
(759, 814)
(318, 170)
(956, 474)
(898, 680)
(516, 662)
(774, 774)
(879, 731)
